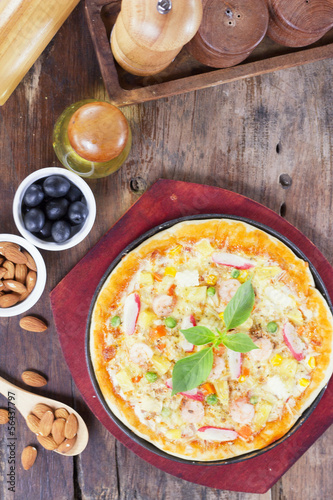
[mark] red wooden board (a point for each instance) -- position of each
(168, 200)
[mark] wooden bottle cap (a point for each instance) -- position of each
(98, 131)
(229, 28)
(310, 16)
(161, 32)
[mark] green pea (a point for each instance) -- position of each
(115, 321)
(212, 399)
(254, 400)
(165, 412)
(170, 322)
(235, 273)
(211, 291)
(151, 376)
(272, 327)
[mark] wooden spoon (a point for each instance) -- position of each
(25, 401)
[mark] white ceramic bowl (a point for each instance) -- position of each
(31, 300)
(74, 179)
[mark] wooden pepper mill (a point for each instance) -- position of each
(229, 32)
(296, 23)
(148, 34)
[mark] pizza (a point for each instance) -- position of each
(184, 277)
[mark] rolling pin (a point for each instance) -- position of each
(26, 27)
(148, 34)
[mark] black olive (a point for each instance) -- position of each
(77, 212)
(74, 194)
(34, 220)
(61, 231)
(33, 196)
(56, 209)
(56, 186)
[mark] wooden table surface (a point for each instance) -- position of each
(241, 136)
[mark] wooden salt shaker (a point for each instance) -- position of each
(229, 32)
(296, 23)
(148, 34)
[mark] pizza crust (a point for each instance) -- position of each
(233, 237)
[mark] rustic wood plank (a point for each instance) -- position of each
(311, 475)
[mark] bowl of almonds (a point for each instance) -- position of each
(22, 275)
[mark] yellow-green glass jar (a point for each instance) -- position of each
(92, 138)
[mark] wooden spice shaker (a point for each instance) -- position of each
(229, 32)
(148, 34)
(296, 23)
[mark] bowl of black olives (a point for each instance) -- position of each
(54, 209)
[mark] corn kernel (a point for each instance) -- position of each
(312, 362)
(170, 271)
(304, 382)
(221, 316)
(243, 275)
(276, 360)
(173, 434)
(175, 251)
(211, 279)
(242, 378)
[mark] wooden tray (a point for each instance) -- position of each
(185, 73)
(168, 200)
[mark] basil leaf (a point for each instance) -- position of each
(239, 342)
(192, 371)
(199, 335)
(240, 306)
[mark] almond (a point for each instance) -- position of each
(58, 430)
(40, 409)
(9, 266)
(61, 413)
(2, 259)
(14, 286)
(30, 261)
(21, 272)
(71, 426)
(4, 416)
(6, 244)
(14, 255)
(66, 445)
(45, 424)
(9, 299)
(47, 442)
(32, 378)
(31, 280)
(33, 324)
(2, 286)
(33, 423)
(28, 457)
(3, 271)
(24, 295)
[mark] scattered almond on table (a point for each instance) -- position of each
(33, 324)
(28, 457)
(18, 274)
(33, 379)
(4, 416)
(55, 430)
